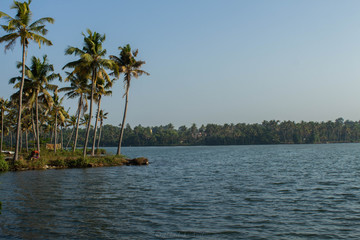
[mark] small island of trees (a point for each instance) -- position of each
(36, 109)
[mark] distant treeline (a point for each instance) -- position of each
(268, 132)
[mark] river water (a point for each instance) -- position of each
(225, 192)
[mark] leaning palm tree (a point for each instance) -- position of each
(128, 65)
(91, 61)
(78, 88)
(101, 90)
(102, 117)
(20, 27)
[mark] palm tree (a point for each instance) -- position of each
(91, 61)
(100, 91)
(10, 120)
(26, 125)
(63, 124)
(20, 27)
(59, 112)
(78, 88)
(39, 74)
(71, 122)
(3, 107)
(102, 117)
(128, 65)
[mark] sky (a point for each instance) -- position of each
(213, 61)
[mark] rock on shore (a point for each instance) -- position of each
(137, 161)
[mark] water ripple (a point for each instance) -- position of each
(233, 192)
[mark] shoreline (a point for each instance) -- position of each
(64, 159)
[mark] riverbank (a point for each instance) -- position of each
(66, 159)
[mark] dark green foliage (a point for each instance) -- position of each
(4, 166)
(64, 159)
(35, 164)
(268, 132)
(57, 163)
(77, 162)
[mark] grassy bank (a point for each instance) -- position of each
(60, 159)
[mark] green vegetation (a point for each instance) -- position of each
(62, 159)
(4, 166)
(39, 115)
(20, 27)
(268, 132)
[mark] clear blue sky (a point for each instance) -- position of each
(215, 61)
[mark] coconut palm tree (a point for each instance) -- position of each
(71, 122)
(91, 61)
(130, 67)
(101, 90)
(59, 113)
(78, 88)
(39, 74)
(26, 125)
(62, 124)
(10, 120)
(102, 117)
(20, 27)
(84, 121)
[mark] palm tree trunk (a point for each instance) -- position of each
(100, 128)
(72, 132)
(21, 140)
(123, 123)
(26, 140)
(55, 132)
(51, 135)
(37, 122)
(18, 128)
(34, 128)
(2, 130)
(90, 112)
(62, 137)
(77, 123)
(11, 140)
(96, 122)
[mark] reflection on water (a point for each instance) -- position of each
(232, 192)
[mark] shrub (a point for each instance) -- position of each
(77, 163)
(100, 151)
(57, 162)
(4, 166)
(36, 164)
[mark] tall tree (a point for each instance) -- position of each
(101, 90)
(130, 67)
(71, 122)
(102, 117)
(91, 61)
(59, 113)
(39, 75)
(21, 27)
(78, 88)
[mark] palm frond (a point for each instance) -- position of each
(41, 21)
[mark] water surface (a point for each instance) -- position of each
(228, 192)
